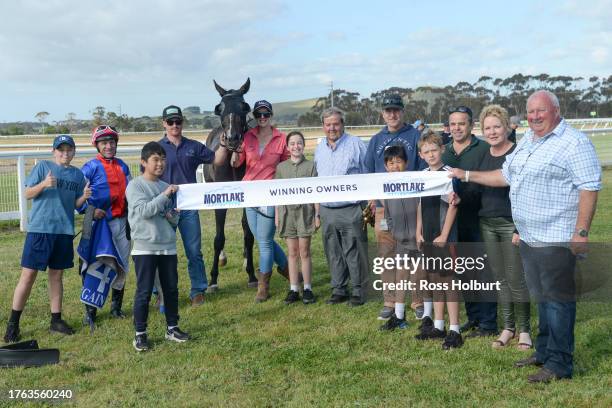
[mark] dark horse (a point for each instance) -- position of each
(233, 112)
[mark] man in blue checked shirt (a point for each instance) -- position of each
(344, 240)
(554, 177)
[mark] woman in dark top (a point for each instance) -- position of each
(500, 235)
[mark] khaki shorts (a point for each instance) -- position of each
(297, 223)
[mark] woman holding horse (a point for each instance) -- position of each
(263, 148)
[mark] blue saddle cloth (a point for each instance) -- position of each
(101, 264)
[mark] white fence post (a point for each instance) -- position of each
(23, 203)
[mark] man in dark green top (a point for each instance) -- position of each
(466, 152)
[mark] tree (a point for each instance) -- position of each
(41, 117)
(98, 114)
(70, 121)
(192, 110)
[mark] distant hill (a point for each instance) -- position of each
(288, 112)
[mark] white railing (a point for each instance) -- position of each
(13, 203)
(590, 123)
(15, 165)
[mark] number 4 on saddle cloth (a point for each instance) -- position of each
(101, 265)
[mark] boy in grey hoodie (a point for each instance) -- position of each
(153, 221)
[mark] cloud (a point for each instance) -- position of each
(336, 36)
(136, 40)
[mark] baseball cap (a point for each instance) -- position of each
(172, 112)
(263, 104)
(63, 139)
(461, 109)
(393, 101)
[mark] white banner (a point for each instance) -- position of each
(356, 187)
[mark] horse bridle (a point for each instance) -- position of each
(223, 110)
(233, 149)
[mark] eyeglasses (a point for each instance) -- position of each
(104, 127)
(172, 122)
(262, 115)
(461, 109)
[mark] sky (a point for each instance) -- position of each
(138, 56)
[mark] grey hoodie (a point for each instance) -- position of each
(147, 208)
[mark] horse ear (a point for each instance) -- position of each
(245, 88)
(246, 108)
(221, 91)
(218, 109)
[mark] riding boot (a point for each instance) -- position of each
(263, 287)
(90, 317)
(116, 302)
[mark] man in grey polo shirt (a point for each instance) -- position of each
(344, 240)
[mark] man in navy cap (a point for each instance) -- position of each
(395, 133)
(183, 156)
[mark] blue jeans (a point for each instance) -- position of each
(189, 226)
(551, 281)
(262, 225)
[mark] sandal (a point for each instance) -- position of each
(524, 345)
(497, 344)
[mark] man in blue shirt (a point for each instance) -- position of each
(554, 177)
(183, 156)
(344, 240)
(395, 133)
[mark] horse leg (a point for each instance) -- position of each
(247, 251)
(219, 244)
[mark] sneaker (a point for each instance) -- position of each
(431, 333)
(60, 326)
(176, 334)
(12, 333)
(386, 313)
(426, 324)
(308, 297)
(419, 311)
(292, 297)
(141, 343)
(453, 340)
(394, 323)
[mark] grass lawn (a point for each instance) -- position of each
(247, 354)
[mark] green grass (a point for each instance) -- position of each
(247, 354)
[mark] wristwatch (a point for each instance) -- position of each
(582, 232)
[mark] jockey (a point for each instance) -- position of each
(108, 177)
